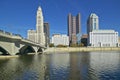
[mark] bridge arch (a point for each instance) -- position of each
(40, 50)
(26, 49)
(3, 51)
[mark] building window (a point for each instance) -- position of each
(94, 26)
(95, 19)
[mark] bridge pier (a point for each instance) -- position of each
(13, 48)
(36, 49)
(10, 48)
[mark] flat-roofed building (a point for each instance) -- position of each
(58, 39)
(103, 38)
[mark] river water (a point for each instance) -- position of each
(62, 66)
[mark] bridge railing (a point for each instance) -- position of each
(17, 36)
(8, 34)
(1, 31)
(32, 41)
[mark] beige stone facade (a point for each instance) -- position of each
(38, 35)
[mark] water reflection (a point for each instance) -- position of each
(30, 67)
(74, 67)
(106, 65)
(62, 66)
(58, 66)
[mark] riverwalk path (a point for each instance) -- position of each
(82, 49)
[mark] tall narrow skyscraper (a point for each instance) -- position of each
(39, 20)
(40, 27)
(92, 24)
(74, 25)
(47, 33)
(38, 35)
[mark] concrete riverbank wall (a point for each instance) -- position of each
(82, 49)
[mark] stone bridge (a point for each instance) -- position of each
(13, 44)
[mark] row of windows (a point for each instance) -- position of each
(105, 45)
(103, 33)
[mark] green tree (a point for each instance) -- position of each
(81, 45)
(73, 45)
(51, 45)
(61, 45)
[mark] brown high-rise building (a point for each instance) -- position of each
(74, 26)
(47, 33)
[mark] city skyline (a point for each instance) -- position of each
(19, 16)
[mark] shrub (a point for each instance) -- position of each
(60, 45)
(51, 45)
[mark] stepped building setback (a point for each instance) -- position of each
(92, 24)
(38, 35)
(100, 38)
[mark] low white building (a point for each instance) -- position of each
(58, 39)
(103, 38)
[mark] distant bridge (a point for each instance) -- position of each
(13, 44)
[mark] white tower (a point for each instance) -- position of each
(39, 27)
(92, 24)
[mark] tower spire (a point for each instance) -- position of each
(39, 8)
(40, 26)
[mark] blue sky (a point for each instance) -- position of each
(17, 16)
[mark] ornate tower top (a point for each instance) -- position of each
(39, 20)
(39, 8)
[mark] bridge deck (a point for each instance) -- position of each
(18, 37)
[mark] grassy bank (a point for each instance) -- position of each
(82, 49)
